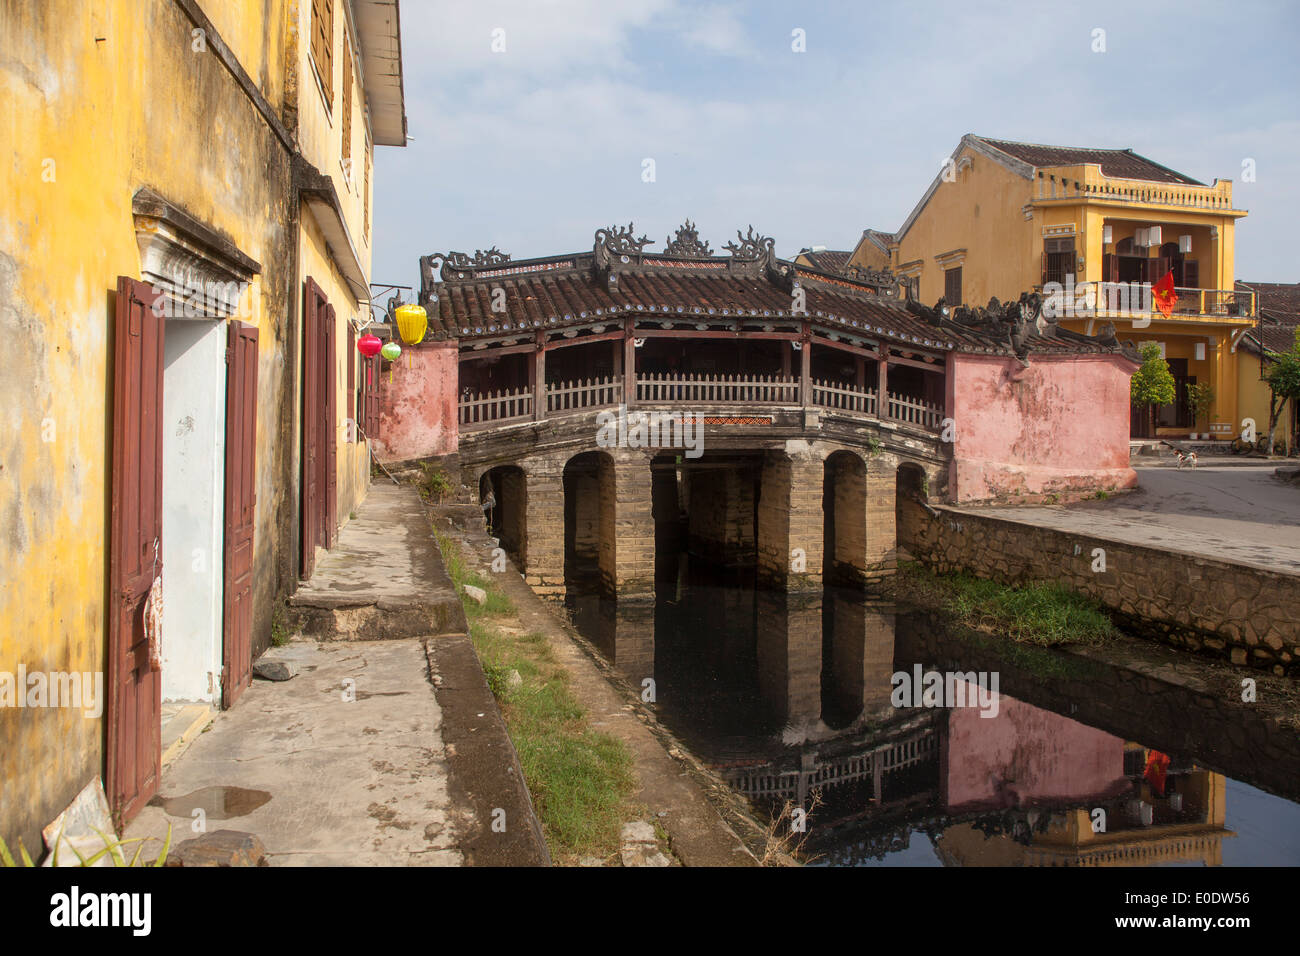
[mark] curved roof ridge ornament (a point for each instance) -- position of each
(461, 265)
(617, 249)
(753, 246)
(687, 245)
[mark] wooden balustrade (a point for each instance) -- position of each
(494, 408)
(511, 405)
(718, 389)
(844, 398)
(584, 393)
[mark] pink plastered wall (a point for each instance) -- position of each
(1060, 425)
(1025, 755)
(417, 407)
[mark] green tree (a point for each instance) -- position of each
(1283, 379)
(1152, 383)
(1200, 397)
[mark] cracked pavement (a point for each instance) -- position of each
(356, 782)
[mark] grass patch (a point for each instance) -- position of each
(280, 625)
(580, 780)
(1045, 614)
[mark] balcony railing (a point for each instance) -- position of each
(1107, 299)
(508, 406)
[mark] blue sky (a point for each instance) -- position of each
(532, 149)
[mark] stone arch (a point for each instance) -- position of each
(912, 493)
(844, 518)
(590, 547)
(503, 494)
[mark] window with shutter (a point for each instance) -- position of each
(952, 286)
(1059, 260)
(345, 105)
(322, 45)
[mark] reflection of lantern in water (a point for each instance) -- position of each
(369, 345)
(412, 321)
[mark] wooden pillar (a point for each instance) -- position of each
(805, 366)
(616, 346)
(882, 383)
(785, 360)
(629, 362)
(860, 366)
(537, 378)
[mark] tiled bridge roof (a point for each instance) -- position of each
(689, 287)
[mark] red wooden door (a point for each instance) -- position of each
(312, 465)
(330, 432)
(135, 550)
(241, 501)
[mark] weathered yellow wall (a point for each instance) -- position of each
(352, 456)
(320, 130)
(981, 212)
(104, 98)
(984, 212)
(1253, 400)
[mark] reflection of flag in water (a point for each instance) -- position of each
(1164, 294)
(1157, 764)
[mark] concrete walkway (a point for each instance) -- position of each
(1238, 514)
(343, 765)
(384, 578)
(386, 748)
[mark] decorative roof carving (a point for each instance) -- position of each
(621, 242)
(752, 246)
(687, 245)
(461, 265)
(881, 278)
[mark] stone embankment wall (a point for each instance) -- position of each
(1248, 614)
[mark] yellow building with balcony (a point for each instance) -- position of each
(1002, 218)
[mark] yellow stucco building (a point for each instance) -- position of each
(1279, 318)
(185, 254)
(1004, 218)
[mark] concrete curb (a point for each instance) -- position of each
(484, 771)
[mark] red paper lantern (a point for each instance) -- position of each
(369, 345)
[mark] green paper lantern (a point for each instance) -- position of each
(391, 351)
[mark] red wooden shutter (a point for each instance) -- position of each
(241, 507)
(135, 550)
(313, 301)
(351, 397)
(330, 428)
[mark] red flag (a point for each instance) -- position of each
(1164, 294)
(1157, 764)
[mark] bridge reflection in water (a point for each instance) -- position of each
(783, 694)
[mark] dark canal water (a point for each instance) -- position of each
(1065, 761)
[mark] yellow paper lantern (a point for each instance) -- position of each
(412, 321)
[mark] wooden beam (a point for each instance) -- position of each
(712, 334)
(938, 367)
(852, 349)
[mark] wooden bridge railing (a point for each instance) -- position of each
(514, 405)
(915, 412)
(584, 393)
(844, 398)
(718, 389)
(495, 408)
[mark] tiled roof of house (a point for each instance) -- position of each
(1117, 163)
(879, 239)
(1278, 304)
(690, 288)
(827, 260)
